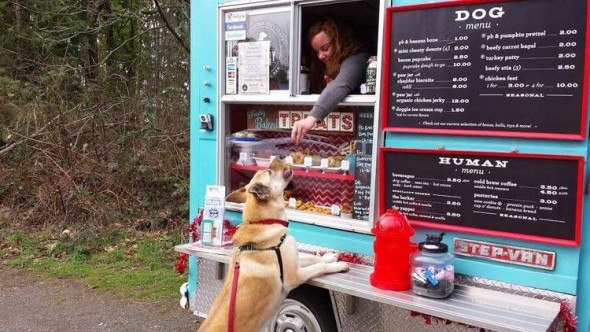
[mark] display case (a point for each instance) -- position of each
(260, 97)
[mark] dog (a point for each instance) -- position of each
(269, 263)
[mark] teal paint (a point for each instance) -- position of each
(572, 271)
(332, 238)
(583, 299)
(202, 144)
(324, 237)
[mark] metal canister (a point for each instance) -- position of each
(371, 78)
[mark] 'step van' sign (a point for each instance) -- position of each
(540, 259)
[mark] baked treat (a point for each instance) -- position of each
(246, 134)
(298, 157)
(335, 161)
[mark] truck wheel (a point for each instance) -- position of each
(306, 309)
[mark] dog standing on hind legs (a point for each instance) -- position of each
(265, 264)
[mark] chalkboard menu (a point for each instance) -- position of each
(514, 68)
(364, 160)
(521, 196)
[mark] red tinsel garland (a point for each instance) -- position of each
(194, 230)
(571, 321)
(228, 230)
(350, 257)
(181, 263)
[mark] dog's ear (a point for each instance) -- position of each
(237, 196)
(261, 191)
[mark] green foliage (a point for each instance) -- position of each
(93, 140)
(128, 264)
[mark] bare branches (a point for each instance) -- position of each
(61, 131)
(165, 19)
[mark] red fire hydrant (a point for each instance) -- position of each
(392, 248)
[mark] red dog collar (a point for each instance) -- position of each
(271, 222)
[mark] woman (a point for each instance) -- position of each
(343, 66)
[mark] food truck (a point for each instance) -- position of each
(473, 123)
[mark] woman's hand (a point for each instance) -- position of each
(301, 127)
(328, 79)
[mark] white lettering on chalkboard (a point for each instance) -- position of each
(479, 13)
(472, 162)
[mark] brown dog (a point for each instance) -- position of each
(257, 246)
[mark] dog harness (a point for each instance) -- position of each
(249, 247)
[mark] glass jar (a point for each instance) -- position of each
(433, 272)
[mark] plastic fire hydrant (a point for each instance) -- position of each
(392, 248)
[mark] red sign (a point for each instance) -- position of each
(539, 259)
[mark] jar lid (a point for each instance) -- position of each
(433, 244)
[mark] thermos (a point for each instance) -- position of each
(304, 80)
(433, 271)
(392, 252)
(371, 76)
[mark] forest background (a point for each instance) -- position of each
(94, 140)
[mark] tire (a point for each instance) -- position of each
(306, 309)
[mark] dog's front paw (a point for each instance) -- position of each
(329, 257)
(341, 267)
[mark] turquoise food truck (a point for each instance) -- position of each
(474, 123)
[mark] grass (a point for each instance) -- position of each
(126, 263)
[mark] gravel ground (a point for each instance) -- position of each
(29, 302)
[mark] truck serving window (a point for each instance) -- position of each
(361, 16)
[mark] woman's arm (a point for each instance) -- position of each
(351, 76)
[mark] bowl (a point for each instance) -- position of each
(262, 162)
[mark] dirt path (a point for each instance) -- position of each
(29, 302)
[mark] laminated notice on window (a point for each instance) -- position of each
(253, 61)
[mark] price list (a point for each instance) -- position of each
(529, 195)
(513, 68)
(363, 149)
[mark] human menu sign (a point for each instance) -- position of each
(510, 68)
(521, 196)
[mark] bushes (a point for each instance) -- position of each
(92, 132)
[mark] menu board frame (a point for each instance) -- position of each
(573, 241)
(386, 78)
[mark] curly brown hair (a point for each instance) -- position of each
(343, 41)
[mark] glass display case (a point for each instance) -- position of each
(324, 162)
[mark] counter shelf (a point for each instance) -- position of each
(471, 305)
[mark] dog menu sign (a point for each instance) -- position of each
(491, 68)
